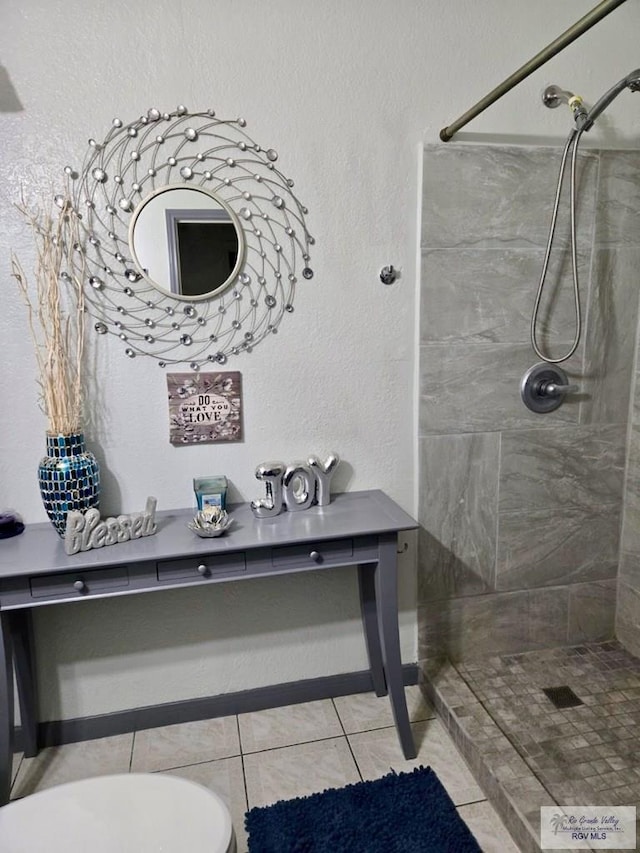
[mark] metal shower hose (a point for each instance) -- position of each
(571, 145)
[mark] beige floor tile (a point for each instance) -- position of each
(276, 727)
(186, 743)
(59, 764)
(379, 752)
(225, 777)
(297, 771)
(491, 834)
(365, 711)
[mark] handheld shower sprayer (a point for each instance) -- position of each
(584, 120)
(631, 82)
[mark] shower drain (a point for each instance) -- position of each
(562, 697)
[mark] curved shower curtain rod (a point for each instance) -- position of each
(574, 32)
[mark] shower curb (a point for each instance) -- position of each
(505, 778)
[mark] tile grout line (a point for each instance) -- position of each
(194, 764)
(472, 803)
(346, 737)
(315, 740)
(133, 743)
(14, 778)
(244, 772)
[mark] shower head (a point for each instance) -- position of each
(631, 82)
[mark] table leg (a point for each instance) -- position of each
(387, 604)
(21, 626)
(6, 709)
(367, 586)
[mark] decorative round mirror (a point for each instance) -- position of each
(193, 240)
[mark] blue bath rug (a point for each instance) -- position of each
(400, 813)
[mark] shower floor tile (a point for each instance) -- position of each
(588, 754)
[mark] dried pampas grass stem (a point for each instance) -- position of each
(56, 311)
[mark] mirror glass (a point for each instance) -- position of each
(186, 242)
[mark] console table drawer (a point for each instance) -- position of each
(79, 583)
(313, 554)
(196, 568)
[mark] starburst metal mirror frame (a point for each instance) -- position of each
(200, 151)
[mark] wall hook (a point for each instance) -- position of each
(388, 274)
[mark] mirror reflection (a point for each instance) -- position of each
(186, 242)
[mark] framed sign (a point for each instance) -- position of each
(204, 407)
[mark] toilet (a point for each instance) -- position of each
(125, 813)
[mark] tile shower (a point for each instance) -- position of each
(530, 524)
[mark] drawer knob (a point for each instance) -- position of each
(202, 569)
(315, 556)
(80, 585)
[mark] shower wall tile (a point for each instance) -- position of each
(562, 467)
(499, 623)
(487, 295)
(476, 388)
(548, 613)
(480, 625)
(630, 570)
(592, 612)
(520, 513)
(610, 336)
(618, 208)
(458, 514)
(631, 528)
(474, 627)
(628, 618)
(552, 547)
(497, 196)
(634, 414)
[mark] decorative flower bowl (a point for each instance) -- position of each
(210, 521)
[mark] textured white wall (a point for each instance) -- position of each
(346, 92)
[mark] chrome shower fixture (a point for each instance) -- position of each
(584, 119)
(631, 82)
(553, 96)
(544, 387)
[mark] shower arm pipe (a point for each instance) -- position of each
(574, 32)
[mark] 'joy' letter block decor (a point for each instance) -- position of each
(296, 486)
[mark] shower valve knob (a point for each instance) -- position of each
(552, 389)
(544, 387)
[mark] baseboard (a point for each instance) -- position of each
(58, 732)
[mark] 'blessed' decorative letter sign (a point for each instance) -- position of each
(295, 486)
(86, 531)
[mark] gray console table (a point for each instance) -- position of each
(356, 528)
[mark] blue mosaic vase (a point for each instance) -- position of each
(69, 478)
